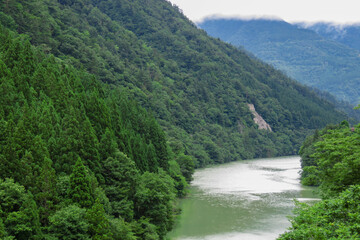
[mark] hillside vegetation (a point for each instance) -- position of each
(197, 87)
(106, 107)
(330, 160)
(78, 161)
(303, 54)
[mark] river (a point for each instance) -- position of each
(242, 200)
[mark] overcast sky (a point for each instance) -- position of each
(339, 11)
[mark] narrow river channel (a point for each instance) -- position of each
(242, 200)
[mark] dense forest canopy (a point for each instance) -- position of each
(330, 160)
(107, 107)
(79, 161)
(197, 87)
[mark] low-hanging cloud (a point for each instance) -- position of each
(239, 17)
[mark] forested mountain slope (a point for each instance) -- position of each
(348, 34)
(79, 160)
(197, 87)
(301, 53)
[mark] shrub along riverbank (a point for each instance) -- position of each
(331, 160)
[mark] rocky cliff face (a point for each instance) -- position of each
(258, 119)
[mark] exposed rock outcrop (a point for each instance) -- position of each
(258, 119)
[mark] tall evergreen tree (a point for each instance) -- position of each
(108, 145)
(89, 146)
(99, 224)
(46, 195)
(80, 191)
(69, 142)
(121, 181)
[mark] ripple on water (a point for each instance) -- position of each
(242, 200)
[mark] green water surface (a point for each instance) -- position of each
(242, 200)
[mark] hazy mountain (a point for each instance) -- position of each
(348, 35)
(301, 53)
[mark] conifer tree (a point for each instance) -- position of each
(46, 194)
(89, 146)
(11, 54)
(121, 180)
(8, 94)
(157, 138)
(138, 147)
(10, 160)
(152, 158)
(47, 118)
(2, 227)
(39, 150)
(18, 140)
(29, 171)
(23, 138)
(68, 142)
(108, 145)
(27, 60)
(80, 191)
(99, 225)
(97, 111)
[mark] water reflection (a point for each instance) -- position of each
(242, 200)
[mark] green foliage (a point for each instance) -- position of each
(338, 159)
(303, 54)
(330, 158)
(59, 141)
(145, 230)
(187, 166)
(69, 223)
(19, 213)
(309, 164)
(121, 230)
(108, 145)
(80, 191)
(336, 218)
(153, 200)
(180, 183)
(310, 176)
(197, 87)
(121, 180)
(99, 225)
(46, 196)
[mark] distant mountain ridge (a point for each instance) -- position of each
(348, 35)
(301, 53)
